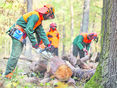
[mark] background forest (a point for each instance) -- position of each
(69, 16)
(69, 13)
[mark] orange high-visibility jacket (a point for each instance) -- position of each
(53, 37)
(22, 23)
(27, 15)
(85, 40)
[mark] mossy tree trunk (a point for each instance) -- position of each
(106, 72)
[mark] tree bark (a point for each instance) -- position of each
(72, 23)
(28, 47)
(22, 7)
(112, 59)
(85, 21)
(29, 5)
(106, 73)
(63, 51)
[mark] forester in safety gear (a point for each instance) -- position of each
(81, 43)
(26, 26)
(53, 36)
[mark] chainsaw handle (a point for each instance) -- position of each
(45, 49)
(42, 50)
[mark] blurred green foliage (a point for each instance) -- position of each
(11, 10)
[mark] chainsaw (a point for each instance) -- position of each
(44, 53)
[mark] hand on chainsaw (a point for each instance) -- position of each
(35, 46)
(84, 49)
(48, 48)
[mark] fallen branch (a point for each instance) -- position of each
(80, 62)
(87, 57)
(81, 74)
(22, 58)
(95, 57)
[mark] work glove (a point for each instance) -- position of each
(52, 48)
(35, 46)
(84, 49)
(48, 48)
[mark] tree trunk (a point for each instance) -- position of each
(85, 21)
(63, 51)
(112, 59)
(106, 72)
(72, 23)
(28, 48)
(22, 7)
(29, 5)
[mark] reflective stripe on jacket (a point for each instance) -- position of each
(53, 37)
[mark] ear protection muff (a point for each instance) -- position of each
(96, 39)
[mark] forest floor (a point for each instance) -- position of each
(18, 80)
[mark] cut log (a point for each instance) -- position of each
(59, 69)
(84, 65)
(95, 57)
(80, 62)
(71, 59)
(56, 68)
(38, 66)
(81, 74)
(84, 75)
(92, 65)
(84, 59)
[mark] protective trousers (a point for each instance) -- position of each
(54, 50)
(76, 50)
(17, 48)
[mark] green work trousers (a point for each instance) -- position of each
(76, 50)
(17, 48)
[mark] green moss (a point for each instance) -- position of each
(95, 81)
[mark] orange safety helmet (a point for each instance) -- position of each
(51, 8)
(47, 9)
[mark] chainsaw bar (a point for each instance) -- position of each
(45, 54)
